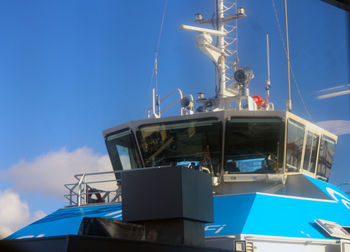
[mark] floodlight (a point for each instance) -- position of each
(243, 75)
(185, 102)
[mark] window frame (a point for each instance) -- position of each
(259, 119)
(312, 127)
(324, 178)
(304, 171)
(114, 154)
(173, 122)
(299, 171)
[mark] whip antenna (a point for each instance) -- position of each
(289, 101)
(268, 82)
(155, 93)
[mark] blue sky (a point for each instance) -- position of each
(69, 69)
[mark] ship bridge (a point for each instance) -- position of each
(244, 151)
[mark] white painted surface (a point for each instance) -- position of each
(287, 247)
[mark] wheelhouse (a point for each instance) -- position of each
(235, 147)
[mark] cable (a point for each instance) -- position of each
(291, 68)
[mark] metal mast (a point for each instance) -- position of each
(226, 11)
(220, 92)
(226, 46)
(231, 83)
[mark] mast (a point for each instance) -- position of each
(221, 46)
(224, 49)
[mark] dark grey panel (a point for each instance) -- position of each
(166, 193)
(107, 227)
(179, 231)
(54, 244)
(91, 243)
(299, 185)
(343, 4)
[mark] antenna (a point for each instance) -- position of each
(289, 101)
(155, 91)
(157, 103)
(268, 82)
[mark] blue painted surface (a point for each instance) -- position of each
(66, 221)
(257, 214)
(275, 215)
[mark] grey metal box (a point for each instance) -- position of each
(167, 193)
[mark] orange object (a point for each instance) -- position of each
(259, 101)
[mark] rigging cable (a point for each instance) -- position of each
(291, 68)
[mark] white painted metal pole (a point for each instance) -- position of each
(268, 58)
(268, 82)
(221, 46)
(157, 100)
(289, 101)
(153, 103)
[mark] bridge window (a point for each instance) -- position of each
(122, 150)
(295, 141)
(196, 144)
(311, 152)
(325, 159)
(254, 145)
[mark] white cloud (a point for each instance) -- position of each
(14, 213)
(48, 173)
(338, 127)
(38, 215)
(45, 176)
(4, 231)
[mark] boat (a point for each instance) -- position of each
(268, 170)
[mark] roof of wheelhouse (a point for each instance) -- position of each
(219, 115)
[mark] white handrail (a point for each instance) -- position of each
(85, 187)
(151, 111)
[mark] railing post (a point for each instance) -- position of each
(80, 189)
(79, 193)
(85, 196)
(70, 197)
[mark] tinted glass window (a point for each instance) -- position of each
(194, 143)
(311, 152)
(254, 145)
(325, 159)
(122, 150)
(295, 141)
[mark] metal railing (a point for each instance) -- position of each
(97, 187)
(155, 112)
